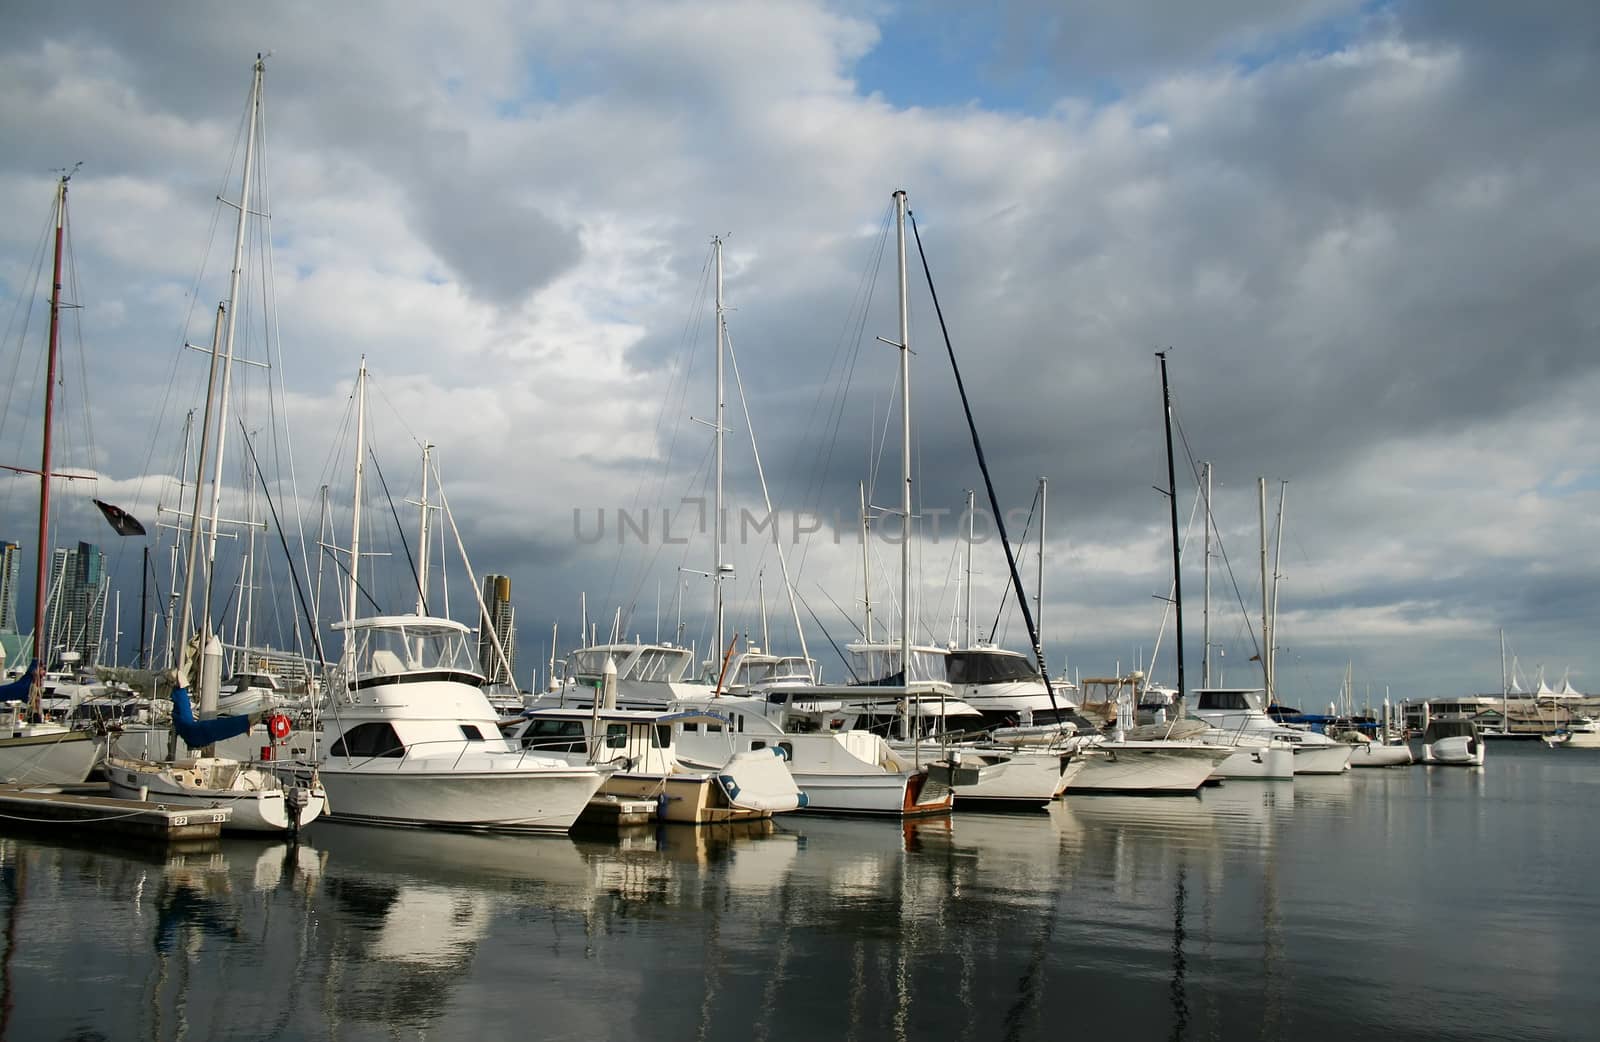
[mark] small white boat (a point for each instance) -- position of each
(1579, 733)
(262, 801)
(1153, 768)
(1365, 752)
(639, 743)
(1454, 742)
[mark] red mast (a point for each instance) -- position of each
(41, 589)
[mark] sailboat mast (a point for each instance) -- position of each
(355, 512)
(422, 537)
(866, 563)
(761, 595)
(1205, 664)
(42, 576)
(185, 615)
(968, 609)
(905, 442)
(228, 338)
(1266, 619)
(717, 419)
(1277, 561)
(1044, 500)
(1172, 506)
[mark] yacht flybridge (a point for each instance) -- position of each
(409, 738)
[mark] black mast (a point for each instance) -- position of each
(1172, 503)
(988, 484)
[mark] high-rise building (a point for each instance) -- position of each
(78, 586)
(10, 576)
(500, 620)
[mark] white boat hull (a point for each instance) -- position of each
(263, 810)
(1153, 768)
(1333, 758)
(1582, 740)
(496, 801)
(1373, 754)
(1261, 763)
(51, 758)
(893, 793)
(1456, 751)
(1012, 779)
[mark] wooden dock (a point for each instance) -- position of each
(90, 810)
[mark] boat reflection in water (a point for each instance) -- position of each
(1214, 916)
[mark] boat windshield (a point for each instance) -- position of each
(658, 664)
(1438, 729)
(989, 667)
(412, 649)
(879, 664)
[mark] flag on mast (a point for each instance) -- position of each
(124, 522)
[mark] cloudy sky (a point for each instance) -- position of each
(1366, 232)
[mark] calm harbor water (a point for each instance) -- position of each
(1417, 903)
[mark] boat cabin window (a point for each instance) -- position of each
(471, 732)
(1223, 700)
(691, 727)
(616, 736)
(553, 734)
(788, 750)
(369, 739)
(988, 667)
(879, 664)
(663, 736)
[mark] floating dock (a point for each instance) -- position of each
(90, 810)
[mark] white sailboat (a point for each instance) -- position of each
(262, 799)
(33, 749)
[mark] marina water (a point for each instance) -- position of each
(1419, 903)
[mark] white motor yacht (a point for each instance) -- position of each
(640, 744)
(1241, 717)
(408, 738)
(1004, 686)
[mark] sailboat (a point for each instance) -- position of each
(843, 769)
(263, 800)
(32, 749)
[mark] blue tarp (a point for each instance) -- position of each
(19, 688)
(197, 734)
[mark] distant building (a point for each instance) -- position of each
(10, 578)
(78, 587)
(499, 620)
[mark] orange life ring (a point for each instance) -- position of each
(279, 726)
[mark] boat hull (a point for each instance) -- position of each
(892, 794)
(1373, 754)
(1012, 780)
(53, 758)
(493, 801)
(1260, 763)
(1455, 751)
(268, 810)
(1322, 759)
(1147, 768)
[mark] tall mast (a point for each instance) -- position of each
(717, 418)
(185, 615)
(232, 313)
(968, 609)
(761, 595)
(905, 442)
(1172, 506)
(1266, 618)
(1205, 665)
(1277, 560)
(355, 512)
(422, 537)
(1044, 493)
(866, 562)
(42, 576)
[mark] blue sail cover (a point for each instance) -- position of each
(19, 688)
(197, 734)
